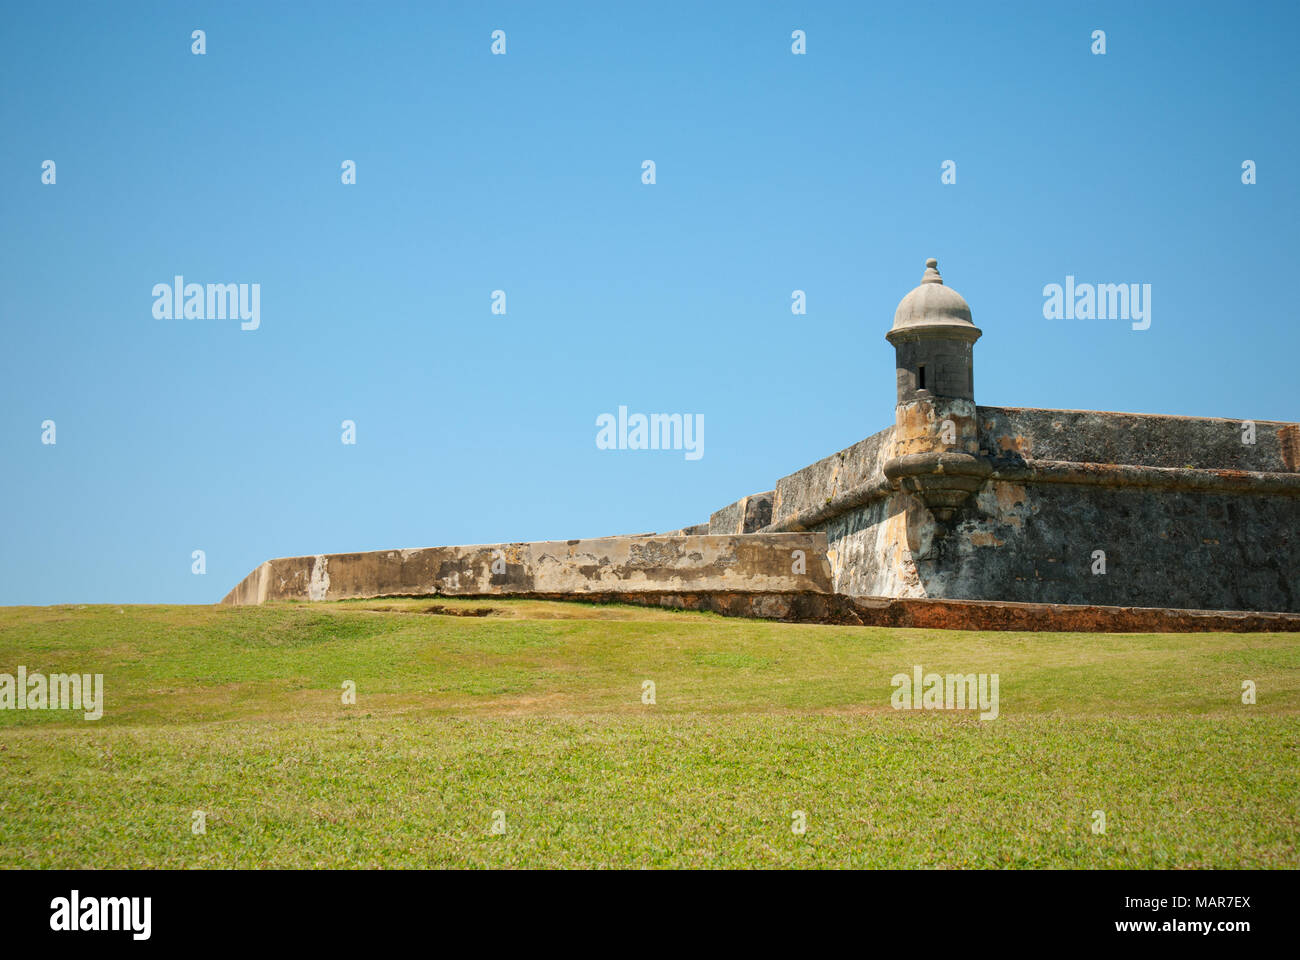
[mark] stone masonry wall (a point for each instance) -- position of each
(1035, 543)
(1143, 439)
(1211, 530)
(764, 563)
(819, 484)
(747, 515)
(1186, 514)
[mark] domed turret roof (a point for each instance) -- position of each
(934, 310)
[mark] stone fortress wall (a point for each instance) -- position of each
(956, 515)
(1187, 515)
(778, 563)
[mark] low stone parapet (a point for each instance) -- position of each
(756, 563)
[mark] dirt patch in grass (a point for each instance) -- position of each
(460, 611)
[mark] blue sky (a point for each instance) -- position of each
(522, 172)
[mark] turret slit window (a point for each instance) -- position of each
(920, 377)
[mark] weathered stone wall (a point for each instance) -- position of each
(1187, 515)
(747, 515)
(948, 363)
(814, 488)
(695, 530)
(1135, 438)
(1034, 543)
(867, 549)
(757, 563)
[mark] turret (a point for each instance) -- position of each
(933, 337)
(936, 433)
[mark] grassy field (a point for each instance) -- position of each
(529, 715)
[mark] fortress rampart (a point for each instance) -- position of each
(1186, 515)
(1002, 516)
(776, 563)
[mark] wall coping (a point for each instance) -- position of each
(1078, 473)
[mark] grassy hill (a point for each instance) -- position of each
(467, 708)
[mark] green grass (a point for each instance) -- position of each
(535, 710)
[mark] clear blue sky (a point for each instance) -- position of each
(522, 172)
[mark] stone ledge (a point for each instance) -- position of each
(1080, 473)
(1190, 479)
(748, 563)
(851, 499)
